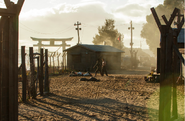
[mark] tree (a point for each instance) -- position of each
(109, 35)
(150, 30)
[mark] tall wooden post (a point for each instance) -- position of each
(175, 77)
(5, 73)
(24, 76)
(41, 72)
(166, 73)
(50, 60)
(53, 56)
(58, 61)
(9, 62)
(46, 72)
(32, 72)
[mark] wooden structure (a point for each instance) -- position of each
(52, 42)
(31, 89)
(9, 60)
(40, 73)
(169, 63)
(83, 57)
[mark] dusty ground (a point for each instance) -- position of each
(123, 96)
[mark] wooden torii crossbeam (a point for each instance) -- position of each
(52, 42)
(9, 60)
(169, 54)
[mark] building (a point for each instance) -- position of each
(83, 56)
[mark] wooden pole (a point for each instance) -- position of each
(41, 73)
(162, 74)
(24, 76)
(175, 77)
(9, 67)
(2, 20)
(32, 72)
(5, 73)
(46, 72)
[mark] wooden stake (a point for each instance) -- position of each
(24, 76)
(41, 73)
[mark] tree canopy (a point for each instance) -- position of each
(150, 30)
(108, 34)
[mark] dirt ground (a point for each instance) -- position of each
(121, 96)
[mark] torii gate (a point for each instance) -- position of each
(52, 43)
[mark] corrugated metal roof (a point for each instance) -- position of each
(99, 48)
(180, 38)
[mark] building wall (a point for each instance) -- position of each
(83, 59)
(80, 58)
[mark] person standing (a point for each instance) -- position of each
(98, 67)
(104, 69)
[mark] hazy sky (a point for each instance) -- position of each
(56, 18)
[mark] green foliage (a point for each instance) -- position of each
(107, 33)
(150, 30)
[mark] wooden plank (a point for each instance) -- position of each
(24, 76)
(41, 73)
(156, 18)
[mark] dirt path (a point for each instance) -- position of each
(116, 97)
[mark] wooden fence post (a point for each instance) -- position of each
(53, 62)
(41, 73)
(32, 73)
(24, 76)
(46, 72)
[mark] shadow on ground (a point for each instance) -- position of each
(73, 108)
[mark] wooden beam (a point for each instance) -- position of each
(156, 18)
(19, 5)
(165, 19)
(178, 54)
(7, 3)
(180, 26)
(172, 16)
(7, 12)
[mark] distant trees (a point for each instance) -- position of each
(150, 30)
(108, 34)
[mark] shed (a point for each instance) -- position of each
(84, 56)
